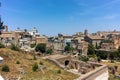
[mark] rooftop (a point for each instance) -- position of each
(95, 37)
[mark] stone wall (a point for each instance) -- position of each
(100, 73)
(56, 63)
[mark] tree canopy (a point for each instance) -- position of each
(67, 47)
(91, 49)
(49, 51)
(41, 48)
(2, 27)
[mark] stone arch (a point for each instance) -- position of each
(67, 62)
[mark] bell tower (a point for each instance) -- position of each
(86, 32)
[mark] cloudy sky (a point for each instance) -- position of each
(51, 17)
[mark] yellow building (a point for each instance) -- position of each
(41, 40)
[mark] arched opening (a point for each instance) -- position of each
(76, 66)
(66, 62)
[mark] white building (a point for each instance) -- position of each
(33, 32)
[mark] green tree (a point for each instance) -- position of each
(106, 41)
(35, 67)
(2, 46)
(15, 48)
(32, 45)
(102, 54)
(41, 48)
(67, 47)
(91, 49)
(5, 68)
(2, 27)
(119, 53)
(49, 51)
(72, 49)
(83, 58)
(113, 55)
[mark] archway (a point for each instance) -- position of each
(67, 62)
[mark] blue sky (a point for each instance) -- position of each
(51, 17)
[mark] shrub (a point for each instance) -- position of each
(32, 45)
(49, 51)
(35, 67)
(15, 48)
(2, 46)
(41, 63)
(59, 71)
(67, 47)
(17, 62)
(5, 68)
(84, 58)
(91, 49)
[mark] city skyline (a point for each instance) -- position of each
(51, 17)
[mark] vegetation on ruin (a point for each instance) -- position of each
(2, 45)
(27, 62)
(32, 45)
(14, 47)
(5, 68)
(91, 49)
(49, 51)
(111, 67)
(35, 67)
